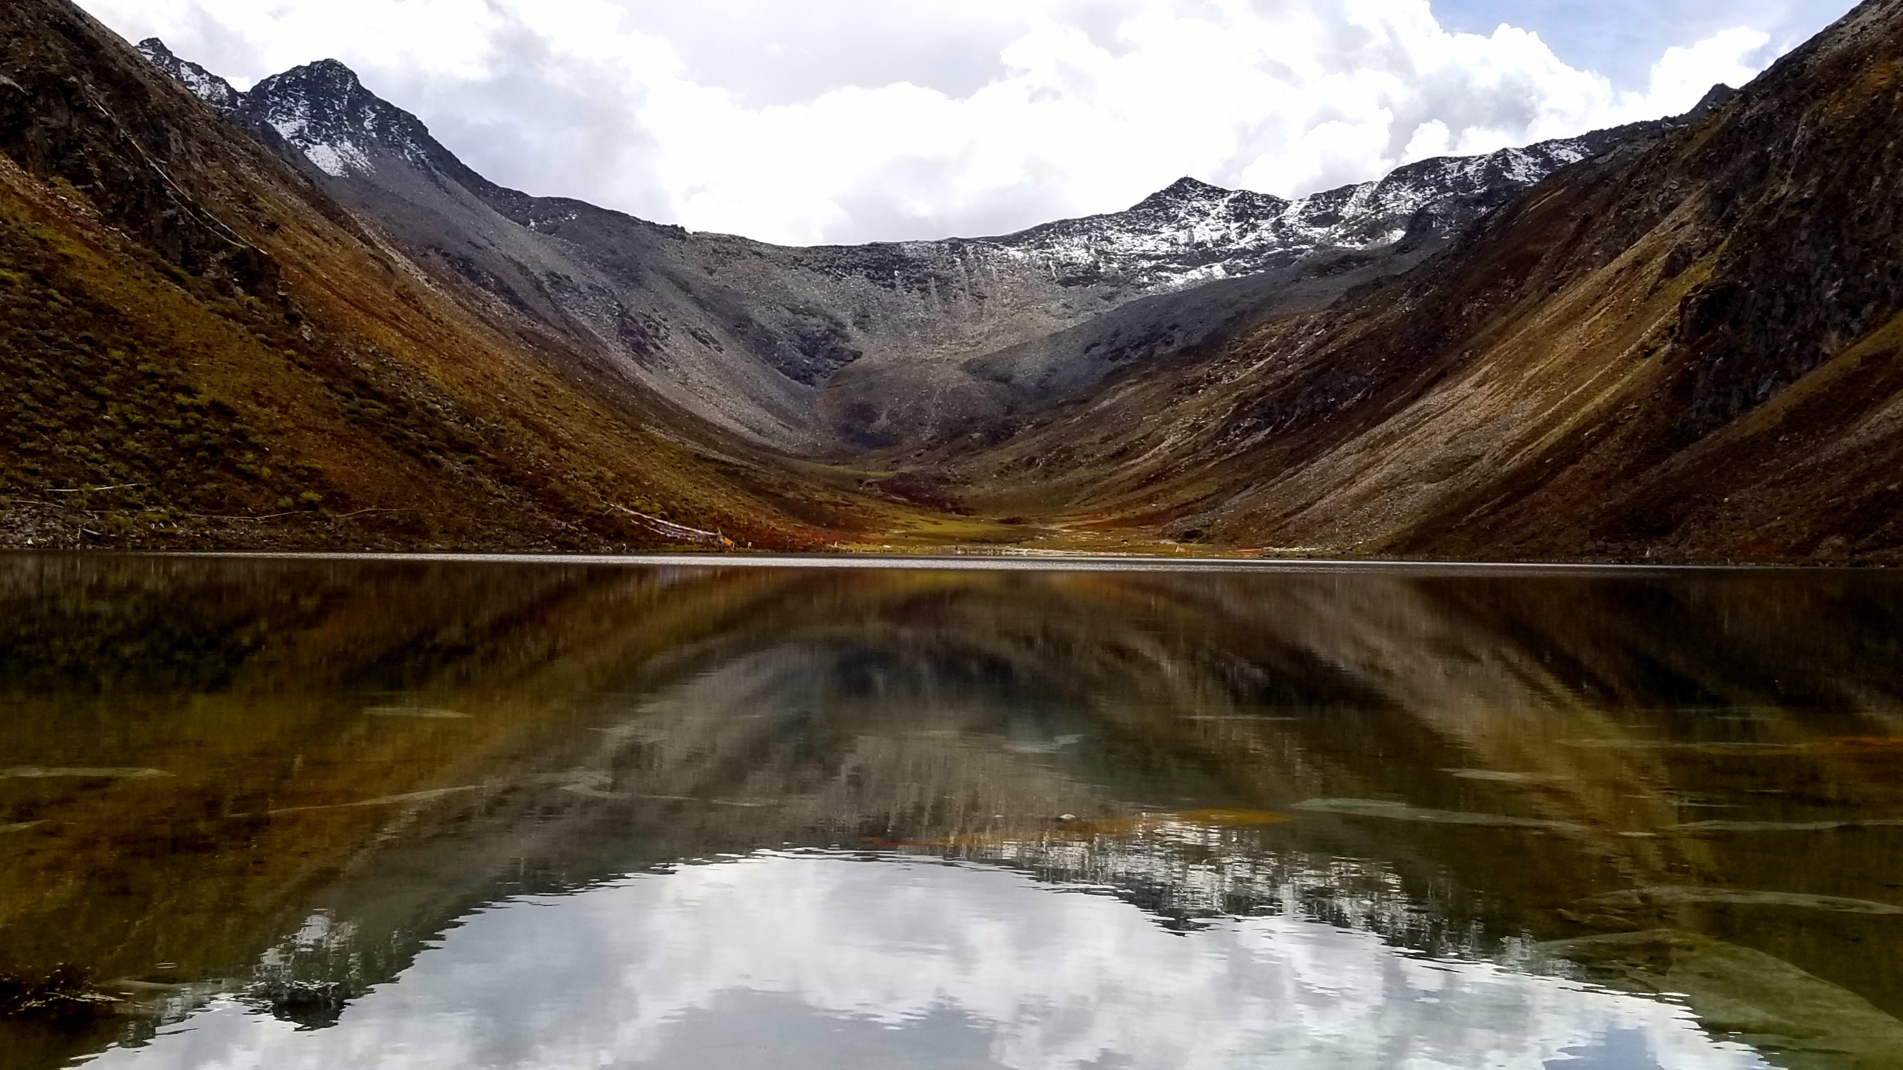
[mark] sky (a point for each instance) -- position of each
(809, 121)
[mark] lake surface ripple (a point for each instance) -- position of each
(513, 814)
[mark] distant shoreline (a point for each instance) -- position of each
(991, 562)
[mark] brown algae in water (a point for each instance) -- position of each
(1636, 899)
(35, 772)
(1494, 776)
(1722, 828)
(386, 800)
(1393, 811)
(416, 713)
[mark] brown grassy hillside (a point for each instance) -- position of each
(1685, 349)
(201, 349)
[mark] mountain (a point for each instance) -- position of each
(830, 352)
(1687, 348)
(291, 317)
(203, 84)
(200, 347)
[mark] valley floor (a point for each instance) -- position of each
(892, 531)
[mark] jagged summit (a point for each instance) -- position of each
(1718, 97)
(205, 85)
(1189, 232)
(1192, 231)
(324, 111)
(897, 339)
(321, 109)
(327, 81)
(1184, 190)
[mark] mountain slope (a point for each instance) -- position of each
(290, 317)
(201, 347)
(1685, 349)
(836, 350)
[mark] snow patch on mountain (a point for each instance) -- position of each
(323, 111)
(203, 84)
(329, 147)
(1188, 234)
(339, 159)
(320, 109)
(1194, 232)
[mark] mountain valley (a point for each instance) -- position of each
(290, 317)
(833, 351)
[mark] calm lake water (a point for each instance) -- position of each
(514, 814)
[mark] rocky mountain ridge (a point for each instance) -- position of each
(203, 84)
(1185, 234)
(840, 349)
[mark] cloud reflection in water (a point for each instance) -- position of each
(821, 960)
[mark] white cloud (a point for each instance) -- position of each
(1017, 114)
(1685, 74)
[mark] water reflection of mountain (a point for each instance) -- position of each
(542, 727)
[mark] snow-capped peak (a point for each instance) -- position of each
(1187, 233)
(1183, 191)
(326, 113)
(1193, 231)
(203, 84)
(320, 109)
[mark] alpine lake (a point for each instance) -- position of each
(725, 813)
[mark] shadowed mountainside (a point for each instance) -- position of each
(203, 348)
